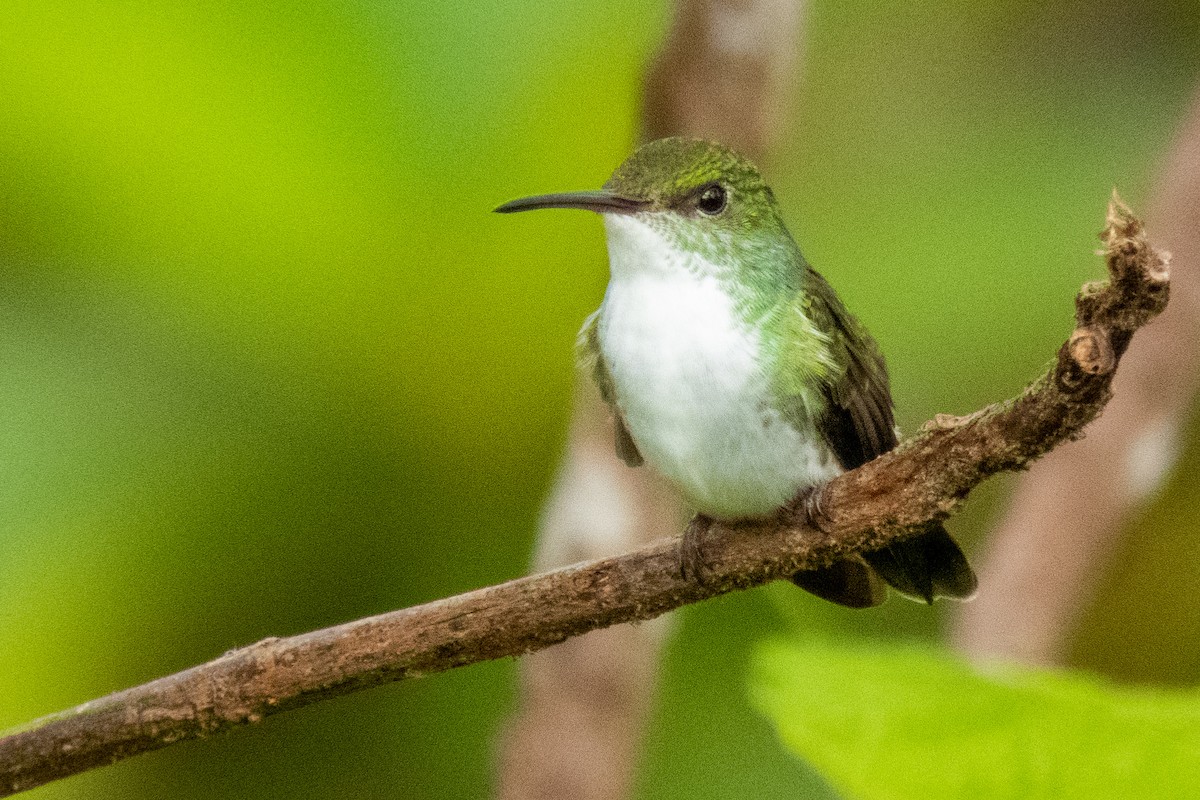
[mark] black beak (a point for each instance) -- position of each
(600, 202)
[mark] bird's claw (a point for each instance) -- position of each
(692, 565)
(809, 502)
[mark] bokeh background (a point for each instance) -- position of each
(268, 363)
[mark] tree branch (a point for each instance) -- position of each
(894, 496)
(1065, 518)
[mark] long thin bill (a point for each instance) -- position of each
(600, 202)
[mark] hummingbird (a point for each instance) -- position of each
(731, 365)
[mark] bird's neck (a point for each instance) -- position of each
(641, 251)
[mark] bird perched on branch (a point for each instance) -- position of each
(731, 365)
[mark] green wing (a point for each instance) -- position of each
(591, 359)
(830, 377)
(858, 425)
(831, 383)
(856, 421)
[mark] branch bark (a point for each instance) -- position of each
(1066, 517)
(894, 496)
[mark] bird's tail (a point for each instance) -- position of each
(924, 567)
(849, 582)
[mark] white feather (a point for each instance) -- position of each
(689, 381)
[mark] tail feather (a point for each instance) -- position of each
(925, 567)
(849, 582)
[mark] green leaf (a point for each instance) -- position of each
(909, 722)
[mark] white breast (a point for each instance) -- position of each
(689, 383)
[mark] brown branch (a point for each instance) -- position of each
(1065, 518)
(925, 478)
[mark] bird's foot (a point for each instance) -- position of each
(808, 503)
(692, 565)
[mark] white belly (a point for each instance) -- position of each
(689, 384)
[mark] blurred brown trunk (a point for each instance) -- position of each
(1067, 513)
(724, 74)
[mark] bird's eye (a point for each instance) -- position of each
(712, 199)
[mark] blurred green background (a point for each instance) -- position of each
(268, 363)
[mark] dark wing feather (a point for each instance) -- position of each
(626, 448)
(857, 421)
(858, 426)
(589, 357)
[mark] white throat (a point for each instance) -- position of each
(635, 247)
